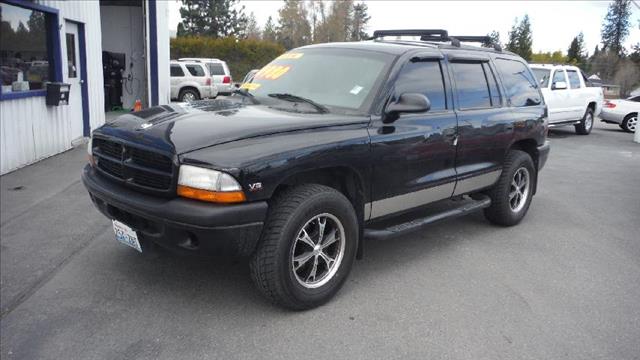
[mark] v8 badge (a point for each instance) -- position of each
(255, 187)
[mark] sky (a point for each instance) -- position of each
(554, 23)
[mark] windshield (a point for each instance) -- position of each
(542, 75)
(337, 79)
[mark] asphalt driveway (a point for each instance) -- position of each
(565, 283)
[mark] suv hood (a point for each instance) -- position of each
(186, 127)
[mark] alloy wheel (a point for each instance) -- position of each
(317, 252)
(519, 190)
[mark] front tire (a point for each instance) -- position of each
(630, 123)
(585, 126)
(511, 196)
(307, 247)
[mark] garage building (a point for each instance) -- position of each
(110, 52)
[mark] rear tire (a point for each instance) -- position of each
(511, 196)
(585, 126)
(295, 266)
(188, 95)
(630, 123)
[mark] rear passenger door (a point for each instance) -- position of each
(577, 95)
(414, 157)
(485, 128)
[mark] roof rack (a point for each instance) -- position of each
(437, 35)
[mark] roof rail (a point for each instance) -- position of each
(437, 35)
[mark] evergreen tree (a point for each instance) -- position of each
(520, 38)
(359, 23)
(294, 29)
(269, 32)
(216, 18)
(615, 28)
(252, 30)
(495, 39)
(576, 52)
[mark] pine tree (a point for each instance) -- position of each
(269, 32)
(359, 23)
(495, 39)
(615, 28)
(520, 38)
(294, 29)
(252, 30)
(216, 18)
(576, 52)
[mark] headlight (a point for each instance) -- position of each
(208, 185)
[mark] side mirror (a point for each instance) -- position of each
(406, 103)
(559, 85)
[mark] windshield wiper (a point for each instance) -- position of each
(295, 98)
(245, 93)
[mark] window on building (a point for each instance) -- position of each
(423, 77)
(574, 79)
(25, 48)
(71, 55)
(195, 70)
(472, 88)
(176, 71)
(520, 85)
(216, 69)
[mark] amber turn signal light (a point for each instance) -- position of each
(223, 197)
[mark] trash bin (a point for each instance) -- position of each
(57, 93)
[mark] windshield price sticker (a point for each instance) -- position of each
(291, 56)
(249, 86)
(272, 72)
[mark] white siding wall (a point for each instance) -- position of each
(30, 130)
(164, 85)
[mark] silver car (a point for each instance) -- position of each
(220, 74)
(623, 112)
(191, 81)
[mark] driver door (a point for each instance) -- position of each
(414, 157)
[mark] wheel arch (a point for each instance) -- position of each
(344, 179)
(530, 146)
(189, 87)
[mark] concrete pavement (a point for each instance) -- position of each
(562, 284)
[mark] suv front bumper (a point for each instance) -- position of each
(182, 225)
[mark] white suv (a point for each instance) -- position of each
(568, 95)
(220, 74)
(191, 81)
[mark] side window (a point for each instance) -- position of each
(519, 83)
(472, 88)
(574, 79)
(635, 98)
(176, 71)
(493, 85)
(195, 70)
(557, 77)
(423, 77)
(215, 69)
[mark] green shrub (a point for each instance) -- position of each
(240, 55)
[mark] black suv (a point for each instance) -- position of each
(328, 145)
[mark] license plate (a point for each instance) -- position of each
(126, 235)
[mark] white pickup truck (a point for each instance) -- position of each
(569, 97)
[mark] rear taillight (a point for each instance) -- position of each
(208, 81)
(226, 80)
(609, 104)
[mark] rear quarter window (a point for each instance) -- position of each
(216, 69)
(520, 85)
(195, 70)
(176, 71)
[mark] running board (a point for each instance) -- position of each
(416, 224)
(564, 123)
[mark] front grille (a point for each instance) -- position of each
(133, 165)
